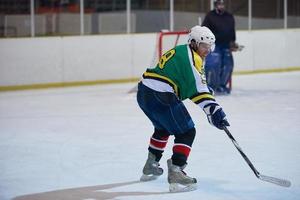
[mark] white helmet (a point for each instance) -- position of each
(201, 34)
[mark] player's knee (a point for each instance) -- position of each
(186, 138)
(159, 134)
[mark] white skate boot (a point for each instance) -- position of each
(151, 170)
(178, 180)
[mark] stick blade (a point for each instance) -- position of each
(277, 181)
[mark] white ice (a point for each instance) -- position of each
(87, 143)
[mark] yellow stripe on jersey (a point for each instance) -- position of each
(198, 62)
(200, 97)
(162, 78)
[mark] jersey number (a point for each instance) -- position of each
(164, 59)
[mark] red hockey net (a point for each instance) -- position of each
(170, 39)
(167, 40)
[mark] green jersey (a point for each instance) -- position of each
(182, 69)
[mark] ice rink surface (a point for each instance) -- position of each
(88, 143)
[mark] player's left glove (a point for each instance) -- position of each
(216, 115)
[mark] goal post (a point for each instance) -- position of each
(174, 36)
(167, 40)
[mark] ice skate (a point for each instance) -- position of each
(178, 180)
(151, 170)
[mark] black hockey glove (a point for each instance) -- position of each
(216, 115)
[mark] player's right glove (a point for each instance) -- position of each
(216, 115)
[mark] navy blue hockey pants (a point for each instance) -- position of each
(165, 110)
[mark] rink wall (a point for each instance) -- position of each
(78, 60)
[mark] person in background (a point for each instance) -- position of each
(219, 64)
(179, 75)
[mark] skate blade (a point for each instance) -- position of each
(176, 187)
(145, 178)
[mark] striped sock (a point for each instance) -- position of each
(183, 149)
(158, 143)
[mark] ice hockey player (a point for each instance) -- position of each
(179, 75)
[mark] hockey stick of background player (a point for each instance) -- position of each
(277, 181)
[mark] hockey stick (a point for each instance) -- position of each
(277, 181)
